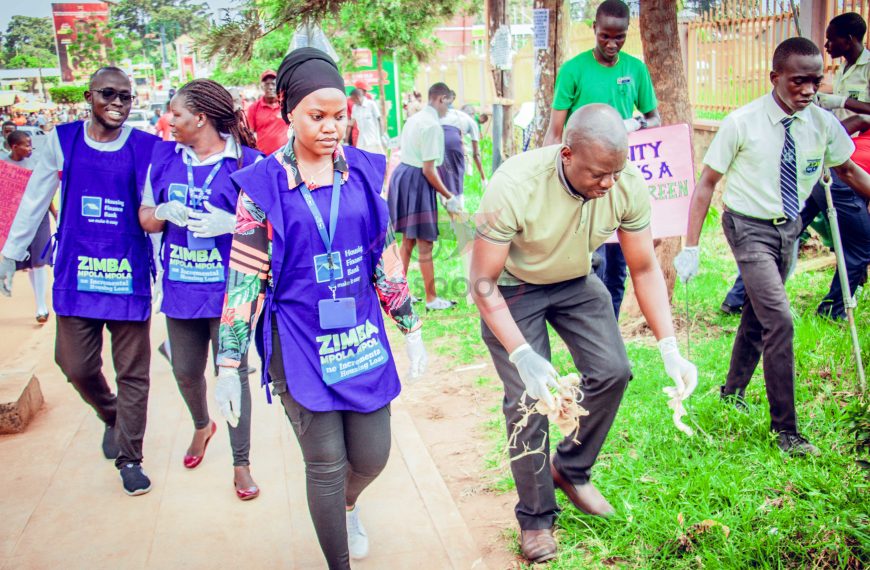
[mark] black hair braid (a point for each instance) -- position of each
(212, 100)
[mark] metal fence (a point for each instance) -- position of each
(729, 50)
(730, 47)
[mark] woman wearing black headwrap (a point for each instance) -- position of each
(313, 256)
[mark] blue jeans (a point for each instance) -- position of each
(612, 273)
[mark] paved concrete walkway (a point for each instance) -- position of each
(62, 506)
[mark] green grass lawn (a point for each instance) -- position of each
(762, 509)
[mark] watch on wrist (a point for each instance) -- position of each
(643, 123)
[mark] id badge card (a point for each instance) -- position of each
(199, 243)
(337, 313)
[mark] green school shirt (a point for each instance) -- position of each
(625, 86)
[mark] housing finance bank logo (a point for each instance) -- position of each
(92, 206)
(99, 210)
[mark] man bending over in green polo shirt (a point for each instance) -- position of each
(605, 75)
(544, 211)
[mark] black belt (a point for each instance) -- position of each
(774, 222)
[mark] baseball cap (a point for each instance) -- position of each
(362, 84)
(267, 73)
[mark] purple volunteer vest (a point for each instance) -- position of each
(194, 280)
(103, 259)
(338, 369)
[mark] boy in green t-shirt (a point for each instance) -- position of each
(604, 75)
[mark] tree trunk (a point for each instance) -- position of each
(381, 93)
(663, 56)
(497, 16)
(548, 62)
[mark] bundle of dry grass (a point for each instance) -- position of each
(566, 415)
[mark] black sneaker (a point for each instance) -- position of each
(730, 309)
(735, 400)
(110, 443)
(795, 444)
(134, 479)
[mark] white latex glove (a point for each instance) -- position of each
(416, 353)
(214, 222)
(454, 205)
(631, 125)
(537, 374)
(172, 211)
(830, 102)
(686, 263)
(682, 372)
(157, 292)
(7, 273)
(228, 394)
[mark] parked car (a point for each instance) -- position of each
(139, 119)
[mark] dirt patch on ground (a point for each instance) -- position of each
(451, 407)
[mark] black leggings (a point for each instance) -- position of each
(189, 340)
(343, 453)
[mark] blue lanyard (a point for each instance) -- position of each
(325, 236)
(197, 199)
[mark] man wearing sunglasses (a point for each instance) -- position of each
(102, 262)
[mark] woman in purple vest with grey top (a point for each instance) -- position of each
(190, 198)
(313, 256)
(102, 262)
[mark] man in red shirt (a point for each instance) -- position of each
(264, 116)
(162, 128)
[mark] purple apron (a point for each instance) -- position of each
(452, 170)
(103, 263)
(194, 277)
(350, 368)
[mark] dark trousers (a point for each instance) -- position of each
(612, 272)
(343, 452)
(190, 340)
(853, 221)
(581, 313)
(764, 254)
(78, 349)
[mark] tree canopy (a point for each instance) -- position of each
(267, 54)
(144, 18)
(404, 25)
(28, 42)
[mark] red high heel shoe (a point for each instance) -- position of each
(247, 494)
(191, 461)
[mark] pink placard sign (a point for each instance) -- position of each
(664, 157)
(13, 181)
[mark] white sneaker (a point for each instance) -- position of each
(357, 539)
(439, 304)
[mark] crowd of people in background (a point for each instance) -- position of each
(47, 119)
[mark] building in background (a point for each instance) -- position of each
(69, 19)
